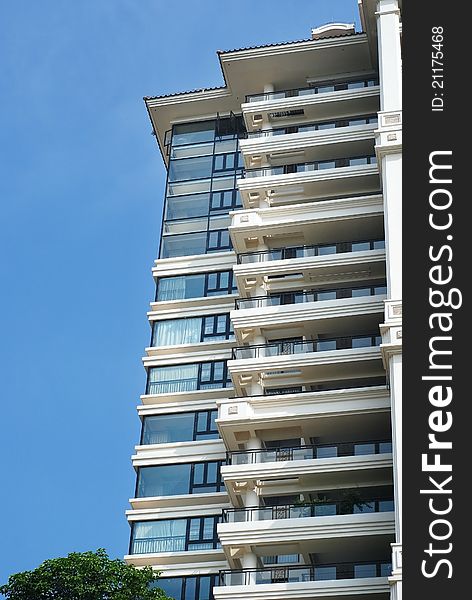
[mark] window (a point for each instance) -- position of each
(188, 378)
(183, 427)
(195, 286)
(179, 479)
(174, 535)
(218, 240)
(173, 332)
(184, 207)
(193, 133)
(225, 200)
(184, 245)
(183, 169)
(188, 588)
(217, 327)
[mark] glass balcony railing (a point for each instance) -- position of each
(318, 126)
(305, 347)
(310, 452)
(321, 88)
(318, 165)
(309, 250)
(301, 297)
(301, 574)
(326, 508)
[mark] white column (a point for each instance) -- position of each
(392, 195)
(389, 48)
(395, 368)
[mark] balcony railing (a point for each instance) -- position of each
(323, 88)
(301, 511)
(318, 126)
(301, 574)
(300, 297)
(309, 250)
(309, 452)
(318, 165)
(305, 347)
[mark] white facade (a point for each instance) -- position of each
(270, 460)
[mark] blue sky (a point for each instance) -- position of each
(81, 187)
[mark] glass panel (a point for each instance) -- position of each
(192, 133)
(192, 187)
(325, 88)
(327, 164)
(358, 161)
(362, 342)
(360, 246)
(325, 510)
(205, 588)
(385, 447)
(194, 532)
(379, 245)
(385, 570)
(168, 428)
(322, 250)
(164, 480)
(178, 378)
(323, 345)
(190, 588)
(185, 226)
(360, 292)
(363, 449)
(386, 506)
(159, 536)
(212, 472)
(380, 289)
(184, 245)
(365, 570)
(202, 421)
(355, 85)
(326, 295)
(177, 331)
(226, 146)
(363, 507)
(208, 525)
(323, 573)
(189, 151)
(179, 288)
(322, 126)
(327, 452)
(183, 207)
(190, 168)
(172, 586)
(219, 222)
(223, 183)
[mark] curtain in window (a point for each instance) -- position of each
(177, 331)
(178, 378)
(159, 536)
(172, 288)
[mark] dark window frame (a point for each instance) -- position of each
(202, 384)
(207, 290)
(198, 580)
(196, 433)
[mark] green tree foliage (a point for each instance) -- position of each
(84, 576)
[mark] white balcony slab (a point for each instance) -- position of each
(307, 414)
(197, 349)
(308, 223)
(178, 452)
(270, 150)
(376, 588)
(311, 317)
(175, 356)
(297, 272)
(161, 505)
(186, 400)
(304, 531)
(309, 185)
(191, 307)
(199, 263)
(257, 115)
(193, 557)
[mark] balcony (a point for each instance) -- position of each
(305, 511)
(306, 582)
(304, 469)
(321, 415)
(308, 223)
(300, 182)
(302, 347)
(310, 314)
(314, 141)
(310, 452)
(295, 267)
(322, 101)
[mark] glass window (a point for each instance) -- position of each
(164, 480)
(159, 536)
(190, 168)
(218, 241)
(323, 573)
(193, 133)
(189, 151)
(165, 429)
(184, 245)
(188, 187)
(176, 378)
(365, 570)
(183, 207)
(172, 586)
(176, 331)
(179, 288)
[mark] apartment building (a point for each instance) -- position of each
(270, 457)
